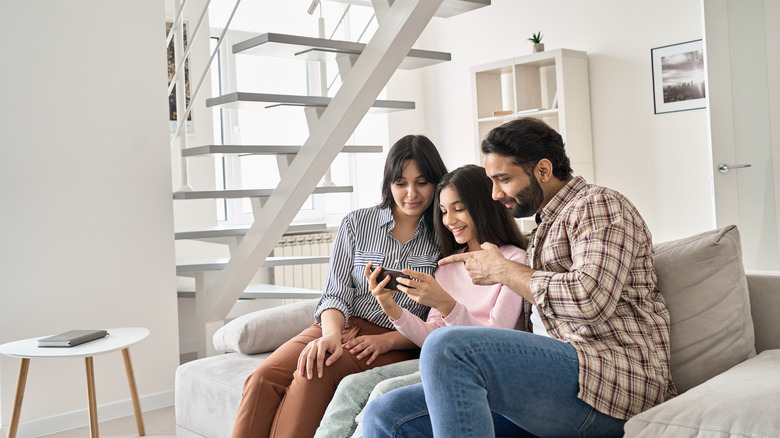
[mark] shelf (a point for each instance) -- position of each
(250, 193)
(215, 149)
(321, 49)
(556, 80)
(240, 99)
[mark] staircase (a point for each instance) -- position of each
(365, 70)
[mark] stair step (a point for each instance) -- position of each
(447, 9)
(321, 49)
(219, 264)
(241, 99)
(268, 291)
(224, 231)
(264, 150)
(250, 193)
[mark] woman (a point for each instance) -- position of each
(465, 218)
(287, 394)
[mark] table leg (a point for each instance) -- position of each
(17, 409)
(139, 416)
(93, 419)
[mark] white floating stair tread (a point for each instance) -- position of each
(250, 193)
(447, 9)
(240, 99)
(225, 231)
(321, 49)
(219, 264)
(265, 150)
(268, 291)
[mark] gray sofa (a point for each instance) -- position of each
(721, 318)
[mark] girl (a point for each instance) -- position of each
(287, 394)
(465, 217)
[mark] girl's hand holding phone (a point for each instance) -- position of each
(424, 289)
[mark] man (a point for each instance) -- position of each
(592, 282)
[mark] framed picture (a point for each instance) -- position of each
(678, 77)
(172, 116)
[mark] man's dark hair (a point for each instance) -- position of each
(527, 141)
(492, 220)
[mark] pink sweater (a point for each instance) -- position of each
(488, 306)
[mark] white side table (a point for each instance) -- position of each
(117, 339)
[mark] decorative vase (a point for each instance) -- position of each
(538, 47)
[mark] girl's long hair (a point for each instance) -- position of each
(492, 220)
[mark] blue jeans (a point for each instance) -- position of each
(486, 382)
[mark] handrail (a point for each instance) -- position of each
(365, 28)
(336, 28)
(360, 37)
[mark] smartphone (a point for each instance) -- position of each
(393, 284)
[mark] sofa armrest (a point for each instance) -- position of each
(764, 290)
(265, 330)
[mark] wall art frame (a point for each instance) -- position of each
(678, 77)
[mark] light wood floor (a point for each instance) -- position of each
(160, 423)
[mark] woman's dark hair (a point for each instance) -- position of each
(527, 141)
(425, 154)
(492, 220)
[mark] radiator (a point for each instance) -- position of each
(303, 276)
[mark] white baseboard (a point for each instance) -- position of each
(80, 418)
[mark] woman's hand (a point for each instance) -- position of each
(313, 355)
(382, 295)
(427, 291)
(332, 323)
(370, 346)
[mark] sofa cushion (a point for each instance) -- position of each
(208, 392)
(265, 330)
(703, 281)
(742, 402)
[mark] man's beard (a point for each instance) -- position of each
(528, 201)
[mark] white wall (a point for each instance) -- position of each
(661, 162)
(85, 176)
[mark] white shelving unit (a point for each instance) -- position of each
(552, 86)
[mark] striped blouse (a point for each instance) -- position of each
(595, 287)
(365, 235)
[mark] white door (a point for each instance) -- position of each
(742, 55)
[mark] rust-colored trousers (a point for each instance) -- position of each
(277, 402)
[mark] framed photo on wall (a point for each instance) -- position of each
(678, 77)
(172, 112)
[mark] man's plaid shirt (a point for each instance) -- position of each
(595, 288)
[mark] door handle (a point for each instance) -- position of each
(723, 167)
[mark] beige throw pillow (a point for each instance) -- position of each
(703, 281)
(265, 330)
